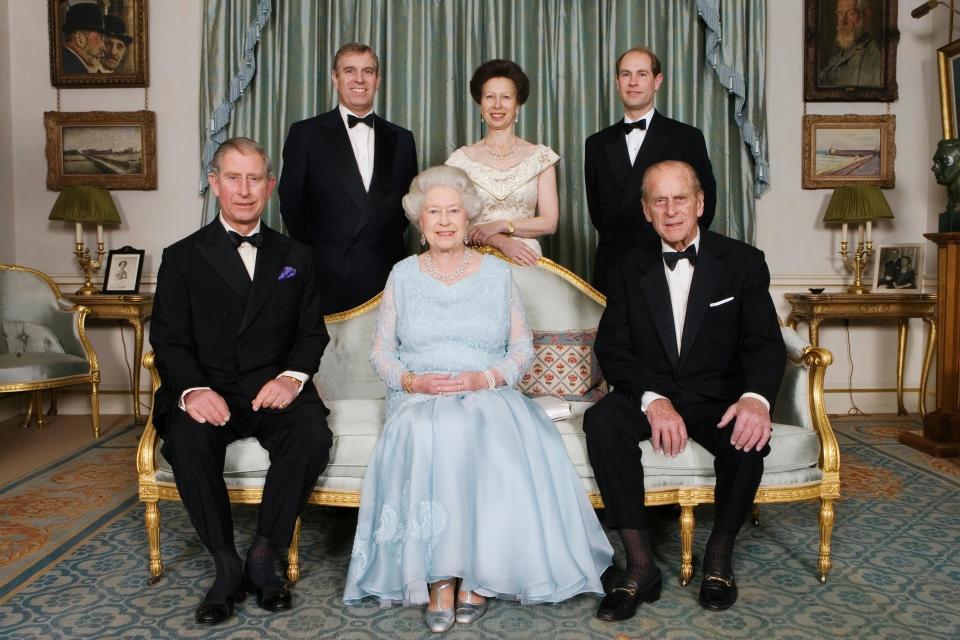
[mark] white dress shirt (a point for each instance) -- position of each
(635, 138)
(248, 253)
(361, 140)
(678, 281)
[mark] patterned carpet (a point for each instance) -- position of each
(896, 572)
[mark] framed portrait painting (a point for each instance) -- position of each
(109, 149)
(124, 267)
(948, 63)
(850, 50)
(98, 43)
(898, 268)
(848, 150)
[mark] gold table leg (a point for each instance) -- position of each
(931, 323)
(138, 418)
(814, 331)
(902, 328)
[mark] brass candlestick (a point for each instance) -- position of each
(89, 267)
(860, 259)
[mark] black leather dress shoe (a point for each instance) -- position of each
(621, 603)
(718, 591)
(216, 610)
(609, 578)
(272, 597)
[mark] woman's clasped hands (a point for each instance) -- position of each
(445, 383)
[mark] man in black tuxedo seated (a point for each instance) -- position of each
(691, 344)
(238, 332)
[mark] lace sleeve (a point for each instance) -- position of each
(384, 350)
(520, 347)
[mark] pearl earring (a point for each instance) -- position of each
(423, 241)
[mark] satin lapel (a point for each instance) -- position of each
(615, 149)
(269, 263)
(653, 283)
(384, 150)
(345, 162)
(705, 276)
(651, 151)
(217, 249)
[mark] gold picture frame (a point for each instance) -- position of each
(898, 268)
(848, 150)
(948, 65)
(98, 44)
(109, 149)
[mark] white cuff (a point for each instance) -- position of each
(302, 377)
(648, 397)
(759, 397)
(182, 404)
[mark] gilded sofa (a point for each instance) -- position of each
(43, 342)
(803, 464)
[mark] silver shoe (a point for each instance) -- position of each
(442, 619)
(468, 612)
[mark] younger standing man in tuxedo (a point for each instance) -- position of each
(344, 173)
(238, 332)
(691, 344)
(616, 158)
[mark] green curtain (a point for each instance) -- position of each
(429, 49)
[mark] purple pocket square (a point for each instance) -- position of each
(288, 272)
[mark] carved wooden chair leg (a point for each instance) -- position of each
(54, 410)
(755, 514)
(28, 415)
(687, 523)
(826, 530)
(95, 409)
(37, 400)
(293, 554)
(152, 519)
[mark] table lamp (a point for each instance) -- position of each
(90, 205)
(858, 205)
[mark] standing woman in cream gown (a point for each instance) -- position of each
(516, 179)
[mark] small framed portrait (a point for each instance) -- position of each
(850, 50)
(948, 63)
(98, 43)
(124, 267)
(109, 149)
(898, 268)
(848, 150)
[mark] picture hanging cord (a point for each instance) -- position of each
(58, 99)
(146, 99)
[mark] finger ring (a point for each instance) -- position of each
(283, 404)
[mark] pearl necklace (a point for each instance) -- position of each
(506, 155)
(452, 275)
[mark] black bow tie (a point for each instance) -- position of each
(353, 120)
(671, 258)
(630, 126)
(255, 239)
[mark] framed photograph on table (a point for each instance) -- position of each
(109, 149)
(898, 268)
(848, 150)
(124, 268)
(850, 50)
(98, 44)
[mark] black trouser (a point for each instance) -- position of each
(614, 428)
(298, 441)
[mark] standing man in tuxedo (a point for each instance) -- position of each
(344, 173)
(691, 344)
(616, 158)
(238, 333)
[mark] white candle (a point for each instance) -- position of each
(843, 235)
(99, 234)
(79, 233)
(869, 226)
(859, 234)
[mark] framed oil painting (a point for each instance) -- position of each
(948, 63)
(109, 149)
(898, 268)
(124, 267)
(848, 150)
(98, 43)
(850, 50)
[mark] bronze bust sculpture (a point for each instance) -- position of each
(946, 168)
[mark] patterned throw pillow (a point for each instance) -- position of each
(564, 366)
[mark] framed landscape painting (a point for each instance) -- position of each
(109, 149)
(848, 150)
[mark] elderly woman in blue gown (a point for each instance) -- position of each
(469, 489)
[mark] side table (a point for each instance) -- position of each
(136, 310)
(814, 308)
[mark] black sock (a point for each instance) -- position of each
(718, 555)
(229, 574)
(260, 563)
(641, 567)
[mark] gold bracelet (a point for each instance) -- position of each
(510, 227)
(407, 381)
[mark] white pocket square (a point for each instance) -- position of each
(720, 302)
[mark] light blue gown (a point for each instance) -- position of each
(476, 485)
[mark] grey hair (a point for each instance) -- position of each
(241, 145)
(441, 176)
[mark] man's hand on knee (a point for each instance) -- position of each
(752, 427)
(669, 433)
(276, 394)
(207, 406)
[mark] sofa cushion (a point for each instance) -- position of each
(564, 366)
(36, 367)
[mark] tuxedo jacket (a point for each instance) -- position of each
(731, 341)
(613, 185)
(214, 327)
(356, 235)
